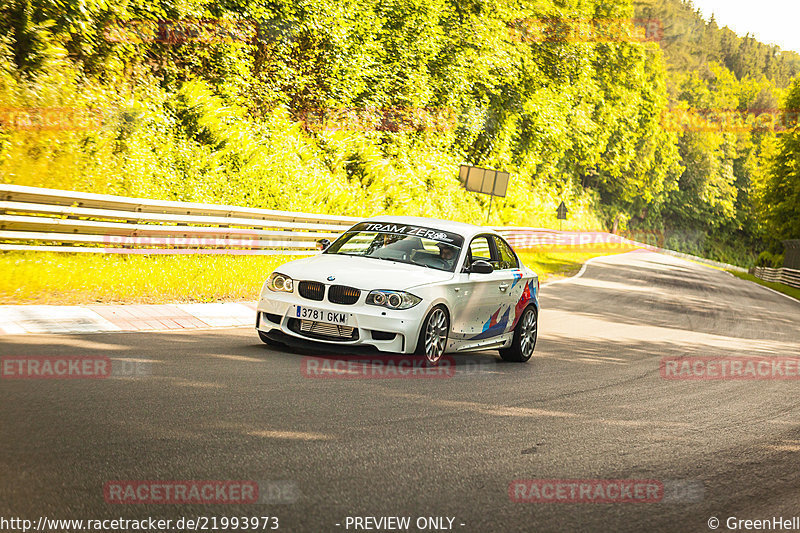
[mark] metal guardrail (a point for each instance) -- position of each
(787, 276)
(696, 259)
(39, 219)
(33, 218)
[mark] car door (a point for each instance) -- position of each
(483, 307)
(521, 290)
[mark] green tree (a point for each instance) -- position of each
(781, 198)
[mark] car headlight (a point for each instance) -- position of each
(280, 283)
(393, 299)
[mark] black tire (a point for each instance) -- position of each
(266, 340)
(436, 324)
(525, 335)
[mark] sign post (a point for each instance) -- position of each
(562, 215)
(484, 181)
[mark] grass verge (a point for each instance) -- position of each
(74, 279)
(780, 287)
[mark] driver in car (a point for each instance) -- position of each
(389, 238)
(447, 254)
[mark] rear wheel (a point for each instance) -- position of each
(433, 336)
(525, 336)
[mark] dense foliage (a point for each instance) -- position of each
(409, 89)
(721, 205)
(781, 196)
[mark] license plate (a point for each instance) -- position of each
(318, 315)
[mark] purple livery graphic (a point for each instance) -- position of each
(493, 326)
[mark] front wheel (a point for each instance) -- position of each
(525, 336)
(433, 336)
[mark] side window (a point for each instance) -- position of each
(479, 249)
(507, 257)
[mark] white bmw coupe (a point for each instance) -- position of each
(406, 285)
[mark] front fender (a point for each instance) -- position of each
(437, 301)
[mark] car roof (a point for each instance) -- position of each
(461, 228)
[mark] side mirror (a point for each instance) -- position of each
(481, 267)
(323, 244)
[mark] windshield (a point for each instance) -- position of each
(415, 245)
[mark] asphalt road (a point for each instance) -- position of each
(592, 404)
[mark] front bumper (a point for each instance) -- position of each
(385, 329)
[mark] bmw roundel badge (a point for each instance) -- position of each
(331, 278)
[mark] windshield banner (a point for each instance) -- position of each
(411, 231)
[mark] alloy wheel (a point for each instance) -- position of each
(435, 335)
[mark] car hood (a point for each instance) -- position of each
(362, 272)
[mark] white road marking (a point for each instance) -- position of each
(578, 275)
